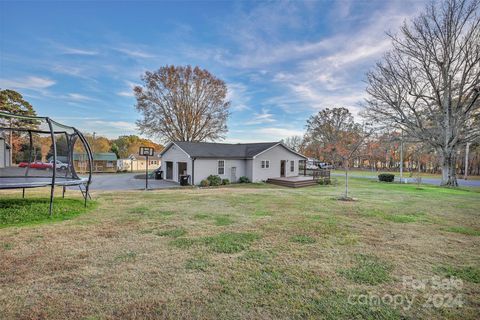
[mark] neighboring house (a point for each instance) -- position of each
(102, 162)
(257, 161)
(4, 153)
(138, 163)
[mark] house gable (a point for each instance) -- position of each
(283, 146)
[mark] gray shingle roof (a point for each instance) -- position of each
(224, 150)
(101, 156)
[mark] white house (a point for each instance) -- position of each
(138, 163)
(257, 161)
(4, 153)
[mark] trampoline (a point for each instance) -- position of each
(40, 152)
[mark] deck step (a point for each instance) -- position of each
(292, 184)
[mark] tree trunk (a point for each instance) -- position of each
(449, 172)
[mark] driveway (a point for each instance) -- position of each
(433, 181)
(126, 181)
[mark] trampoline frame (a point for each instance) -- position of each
(75, 180)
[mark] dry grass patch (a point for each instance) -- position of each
(228, 253)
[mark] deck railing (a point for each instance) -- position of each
(316, 174)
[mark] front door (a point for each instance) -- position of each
(233, 175)
(169, 173)
(282, 168)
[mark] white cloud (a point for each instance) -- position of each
(79, 97)
(135, 53)
(110, 129)
(264, 135)
(280, 133)
(122, 125)
(31, 82)
(77, 51)
(328, 71)
(128, 92)
(238, 96)
(320, 71)
(261, 118)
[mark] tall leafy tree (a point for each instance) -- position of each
(429, 84)
(127, 145)
(13, 102)
(329, 131)
(336, 135)
(182, 103)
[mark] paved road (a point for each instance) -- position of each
(126, 181)
(433, 181)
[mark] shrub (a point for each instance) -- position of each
(225, 182)
(324, 181)
(204, 183)
(214, 180)
(386, 177)
(244, 179)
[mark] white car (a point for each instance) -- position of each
(326, 166)
(60, 165)
(311, 166)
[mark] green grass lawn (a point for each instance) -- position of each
(248, 251)
(18, 212)
(406, 174)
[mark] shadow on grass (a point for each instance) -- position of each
(20, 212)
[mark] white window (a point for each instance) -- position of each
(292, 165)
(221, 166)
(265, 164)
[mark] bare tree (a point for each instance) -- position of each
(352, 143)
(182, 104)
(294, 142)
(429, 83)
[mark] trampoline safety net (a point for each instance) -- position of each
(39, 152)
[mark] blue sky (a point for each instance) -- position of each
(76, 61)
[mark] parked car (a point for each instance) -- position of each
(326, 166)
(44, 165)
(23, 164)
(60, 165)
(36, 165)
(311, 166)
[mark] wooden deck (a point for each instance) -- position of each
(293, 182)
(301, 181)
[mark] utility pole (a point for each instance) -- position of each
(401, 158)
(10, 141)
(466, 160)
(93, 142)
(93, 149)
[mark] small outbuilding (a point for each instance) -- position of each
(138, 163)
(257, 161)
(102, 162)
(4, 153)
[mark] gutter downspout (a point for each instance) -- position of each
(193, 171)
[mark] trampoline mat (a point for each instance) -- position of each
(35, 182)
